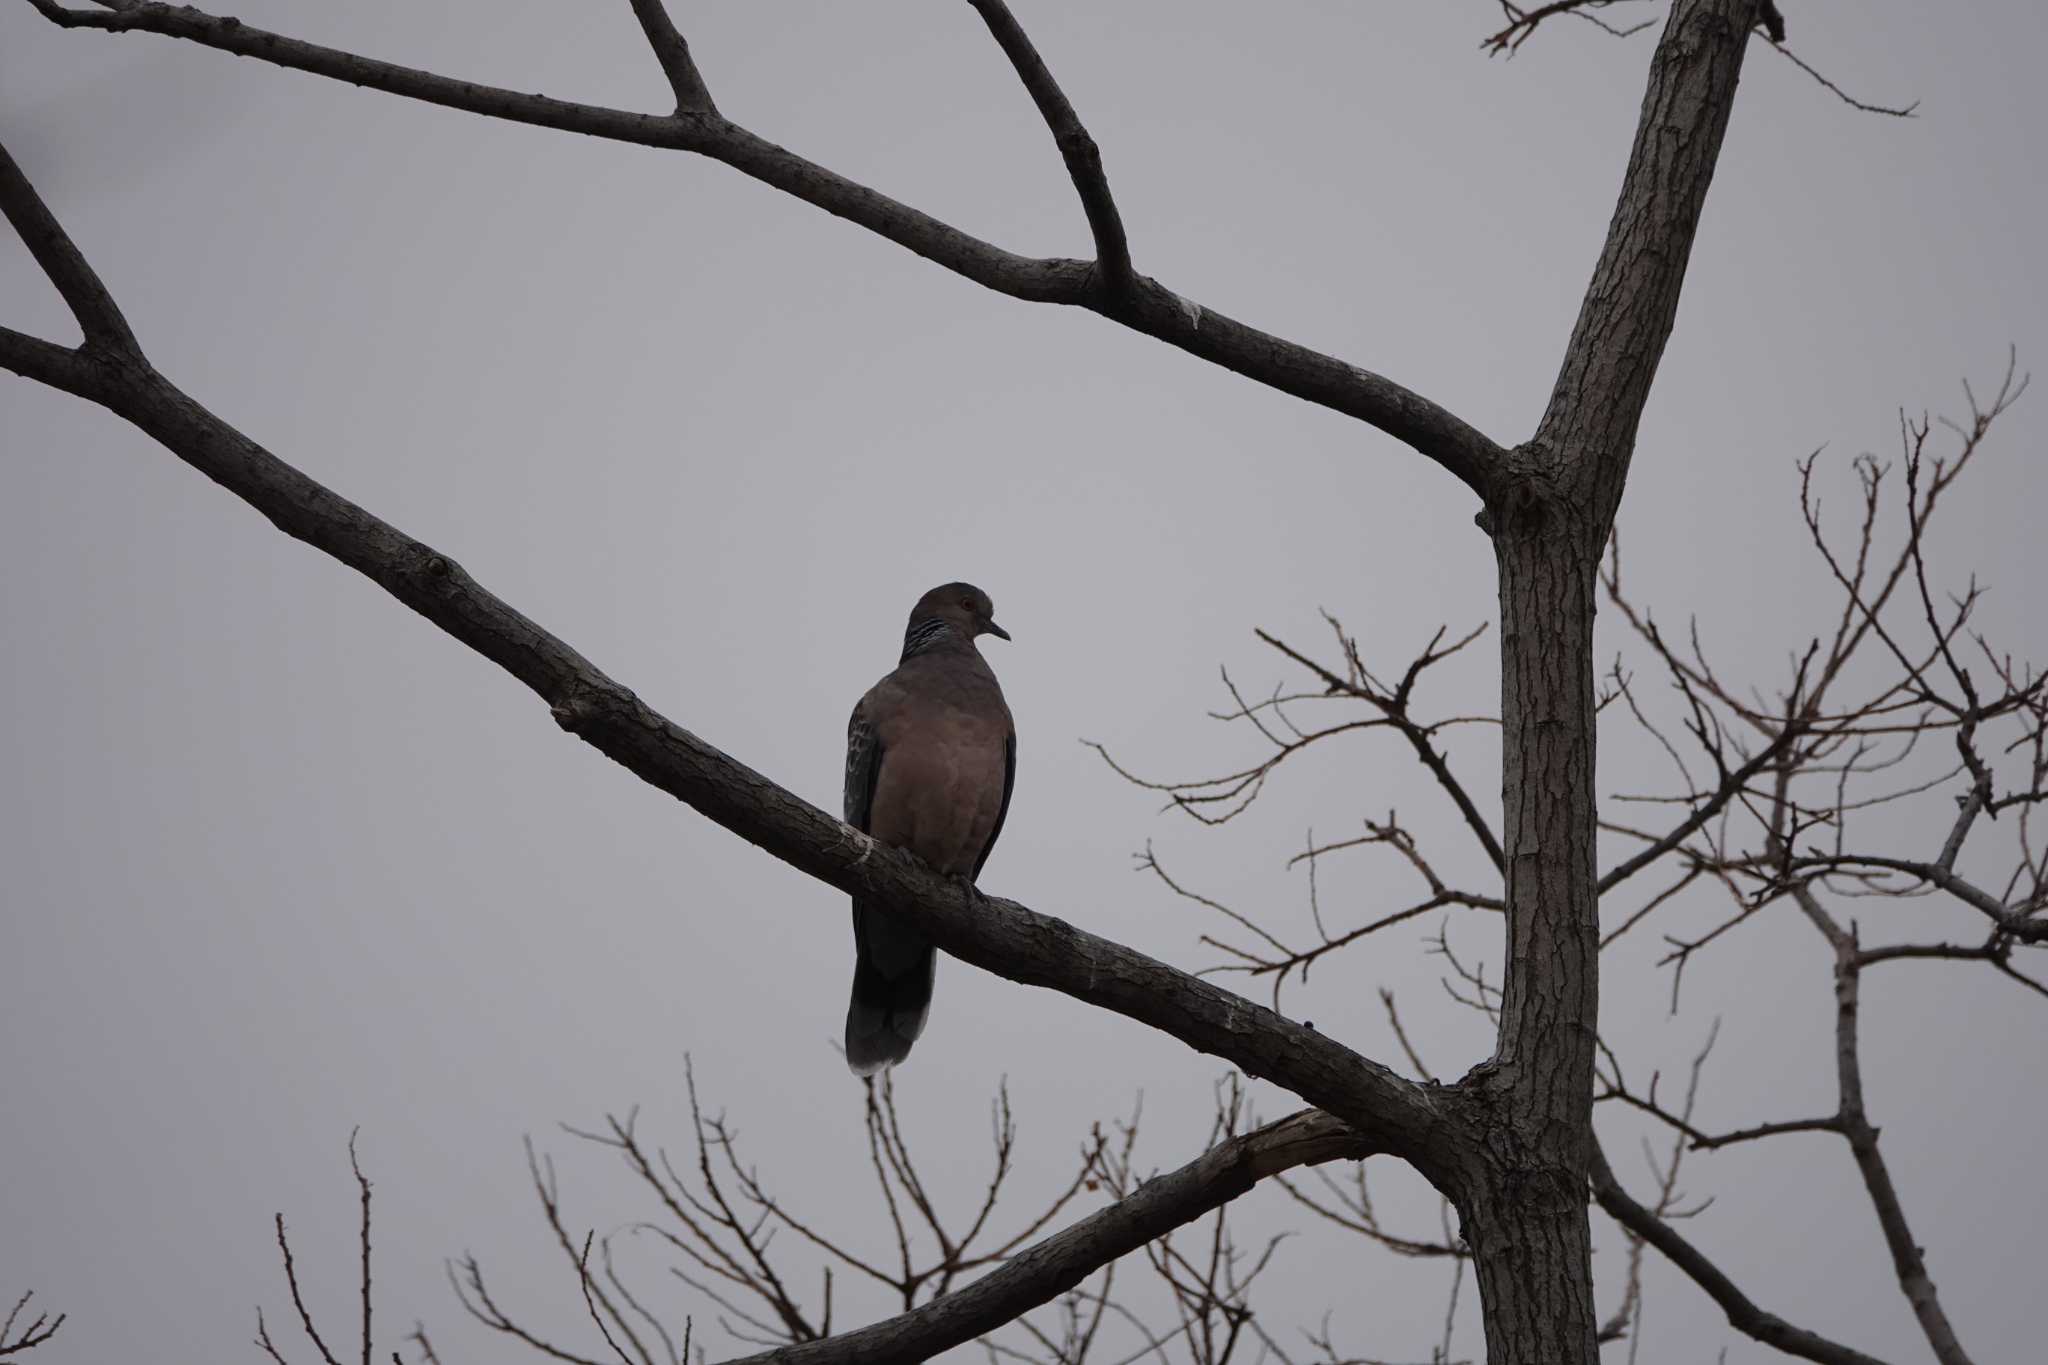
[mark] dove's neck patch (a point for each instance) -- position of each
(924, 636)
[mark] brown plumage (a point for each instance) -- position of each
(931, 756)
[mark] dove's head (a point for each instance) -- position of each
(963, 607)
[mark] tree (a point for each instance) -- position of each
(1508, 1144)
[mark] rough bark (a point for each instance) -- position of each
(1524, 1203)
(1526, 1220)
(1588, 431)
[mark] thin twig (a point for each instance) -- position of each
(291, 1278)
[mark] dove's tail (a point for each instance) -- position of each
(892, 990)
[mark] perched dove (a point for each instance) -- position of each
(931, 756)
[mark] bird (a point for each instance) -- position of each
(931, 759)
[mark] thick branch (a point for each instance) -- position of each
(1147, 307)
(1000, 936)
(1597, 404)
(1743, 1315)
(61, 367)
(1063, 1260)
(1077, 148)
(88, 299)
(672, 50)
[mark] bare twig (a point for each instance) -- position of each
(363, 1186)
(1893, 111)
(1522, 23)
(33, 1333)
(291, 1279)
(263, 1340)
(590, 1302)
(1053, 1266)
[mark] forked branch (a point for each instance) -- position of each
(1588, 431)
(364, 1287)
(1077, 148)
(717, 1219)
(32, 1334)
(672, 50)
(1063, 1260)
(1108, 287)
(1001, 936)
(98, 316)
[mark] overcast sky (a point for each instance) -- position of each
(282, 860)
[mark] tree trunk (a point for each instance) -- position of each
(1532, 1249)
(1521, 1186)
(1524, 1198)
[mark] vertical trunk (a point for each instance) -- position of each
(1547, 565)
(1532, 1249)
(1522, 1185)
(1525, 1212)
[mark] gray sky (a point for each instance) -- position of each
(282, 859)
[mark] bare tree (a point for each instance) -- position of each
(1787, 796)
(1510, 1145)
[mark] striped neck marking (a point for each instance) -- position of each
(924, 636)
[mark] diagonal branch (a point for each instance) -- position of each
(1909, 1260)
(1589, 427)
(1000, 936)
(291, 1279)
(1743, 1315)
(1730, 787)
(61, 367)
(1146, 306)
(672, 50)
(88, 299)
(1066, 1258)
(1890, 110)
(1077, 148)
